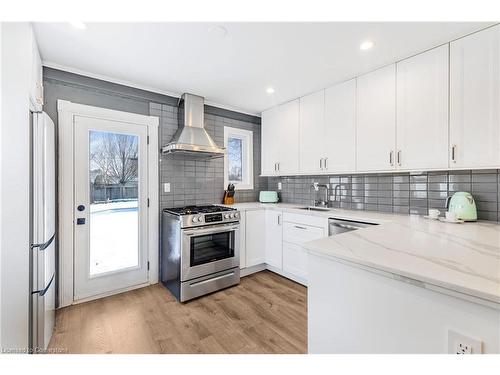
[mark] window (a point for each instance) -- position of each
(238, 162)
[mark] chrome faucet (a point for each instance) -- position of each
(320, 202)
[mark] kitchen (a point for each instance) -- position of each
(191, 199)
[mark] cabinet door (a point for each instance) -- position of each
(255, 229)
(287, 139)
(422, 110)
(340, 128)
(475, 100)
(295, 260)
(376, 120)
(270, 133)
(312, 125)
(243, 241)
(274, 239)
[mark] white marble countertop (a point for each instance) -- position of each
(463, 258)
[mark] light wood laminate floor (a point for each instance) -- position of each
(265, 313)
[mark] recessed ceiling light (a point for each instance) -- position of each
(219, 31)
(270, 90)
(367, 44)
(78, 25)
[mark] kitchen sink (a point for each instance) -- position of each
(313, 208)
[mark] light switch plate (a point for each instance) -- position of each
(461, 344)
(166, 187)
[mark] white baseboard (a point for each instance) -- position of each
(261, 267)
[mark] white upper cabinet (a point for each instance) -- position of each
(288, 139)
(312, 132)
(339, 140)
(475, 100)
(270, 132)
(422, 111)
(280, 139)
(376, 120)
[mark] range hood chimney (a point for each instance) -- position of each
(191, 137)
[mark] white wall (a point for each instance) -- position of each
(14, 176)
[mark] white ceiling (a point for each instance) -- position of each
(233, 71)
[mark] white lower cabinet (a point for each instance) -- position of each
(295, 261)
(298, 229)
(243, 241)
(274, 238)
(255, 233)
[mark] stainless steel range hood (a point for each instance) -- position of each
(191, 137)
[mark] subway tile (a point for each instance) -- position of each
(484, 177)
(487, 215)
(484, 187)
(459, 177)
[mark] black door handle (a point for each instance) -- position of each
(80, 221)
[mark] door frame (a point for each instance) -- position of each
(65, 160)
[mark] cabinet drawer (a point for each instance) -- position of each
(299, 233)
(295, 260)
(310, 220)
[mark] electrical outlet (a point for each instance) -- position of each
(462, 348)
(280, 186)
(461, 344)
(166, 187)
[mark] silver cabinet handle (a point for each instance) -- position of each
(453, 153)
(299, 227)
(278, 166)
(321, 163)
(391, 155)
(326, 163)
(399, 157)
(279, 219)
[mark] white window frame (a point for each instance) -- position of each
(247, 158)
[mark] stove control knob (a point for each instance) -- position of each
(236, 215)
(195, 219)
(231, 216)
(226, 216)
(200, 218)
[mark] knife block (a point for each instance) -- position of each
(227, 199)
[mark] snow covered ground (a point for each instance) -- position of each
(114, 229)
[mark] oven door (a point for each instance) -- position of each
(209, 249)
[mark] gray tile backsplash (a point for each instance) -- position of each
(409, 193)
(197, 181)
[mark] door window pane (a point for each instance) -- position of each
(114, 209)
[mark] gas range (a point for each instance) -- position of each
(200, 250)
(195, 216)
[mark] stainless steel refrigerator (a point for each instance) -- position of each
(43, 212)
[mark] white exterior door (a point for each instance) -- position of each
(340, 128)
(422, 110)
(376, 120)
(110, 206)
(475, 100)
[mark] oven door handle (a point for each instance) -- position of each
(215, 229)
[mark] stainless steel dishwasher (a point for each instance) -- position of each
(337, 226)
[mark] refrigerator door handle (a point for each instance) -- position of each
(43, 246)
(42, 292)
